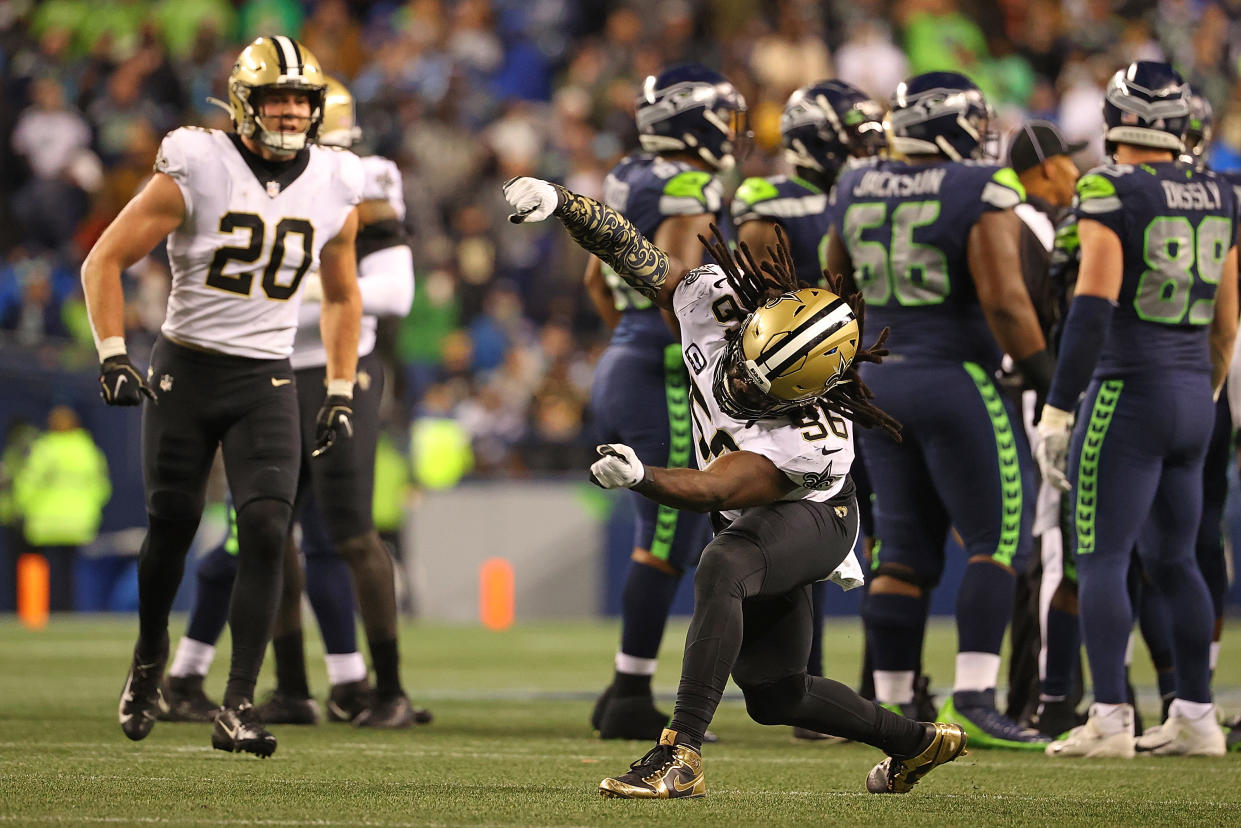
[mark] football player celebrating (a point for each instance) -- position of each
(774, 396)
(1148, 338)
(932, 242)
(823, 127)
(690, 120)
(248, 215)
(333, 501)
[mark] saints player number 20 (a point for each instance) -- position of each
(242, 282)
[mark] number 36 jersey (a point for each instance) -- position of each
(249, 237)
(906, 227)
(813, 449)
(1176, 226)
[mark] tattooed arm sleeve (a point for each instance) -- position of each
(606, 233)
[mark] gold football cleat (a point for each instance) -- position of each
(894, 775)
(667, 771)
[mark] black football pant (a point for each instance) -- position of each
(247, 407)
(752, 619)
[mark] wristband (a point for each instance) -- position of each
(340, 388)
(110, 347)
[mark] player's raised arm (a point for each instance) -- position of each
(736, 480)
(600, 230)
(152, 214)
(340, 322)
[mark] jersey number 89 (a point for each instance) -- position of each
(1173, 251)
(242, 282)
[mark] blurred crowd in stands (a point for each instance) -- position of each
(464, 94)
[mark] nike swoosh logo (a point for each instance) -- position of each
(232, 733)
(119, 382)
(1153, 747)
(676, 783)
(276, 383)
(831, 451)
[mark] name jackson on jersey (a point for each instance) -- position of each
(814, 450)
(252, 231)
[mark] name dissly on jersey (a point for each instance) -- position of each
(1194, 195)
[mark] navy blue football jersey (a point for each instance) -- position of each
(906, 227)
(1176, 226)
(647, 190)
(796, 205)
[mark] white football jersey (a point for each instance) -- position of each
(385, 277)
(815, 451)
(244, 247)
(383, 182)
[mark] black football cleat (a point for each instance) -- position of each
(899, 775)
(182, 700)
(348, 701)
(140, 699)
(239, 729)
(668, 771)
(392, 713)
(286, 708)
(636, 717)
(601, 704)
(1056, 717)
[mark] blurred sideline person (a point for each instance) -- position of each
(824, 127)
(1043, 611)
(60, 492)
(774, 400)
(933, 244)
(690, 121)
(248, 216)
(334, 499)
(1148, 339)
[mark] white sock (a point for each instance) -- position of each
(1213, 657)
(343, 668)
(976, 671)
(894, 686)
(1190, 710)
(1112, 718)
(635, 666)
(193, 658)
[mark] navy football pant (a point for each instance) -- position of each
(1136, 465)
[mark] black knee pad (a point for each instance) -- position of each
(170, 505)
(262, 526)
(776, 702)
(724, 564)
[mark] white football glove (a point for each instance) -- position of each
(532, 198)
(618, 467)
(312, 288)
(1055, 429)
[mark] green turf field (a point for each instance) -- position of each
(510, 746)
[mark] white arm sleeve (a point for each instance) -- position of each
(386, 280)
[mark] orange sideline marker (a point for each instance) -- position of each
(33, 590)
(495, 594)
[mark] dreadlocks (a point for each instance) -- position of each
(755, 284)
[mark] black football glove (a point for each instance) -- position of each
(121, 384)
(335, 420)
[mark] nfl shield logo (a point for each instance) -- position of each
(273, 189)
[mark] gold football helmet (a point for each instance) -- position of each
(789, 352)
(340, 121)
(276, 62)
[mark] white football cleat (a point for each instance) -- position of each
(1089, 741)
(1179, 736)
